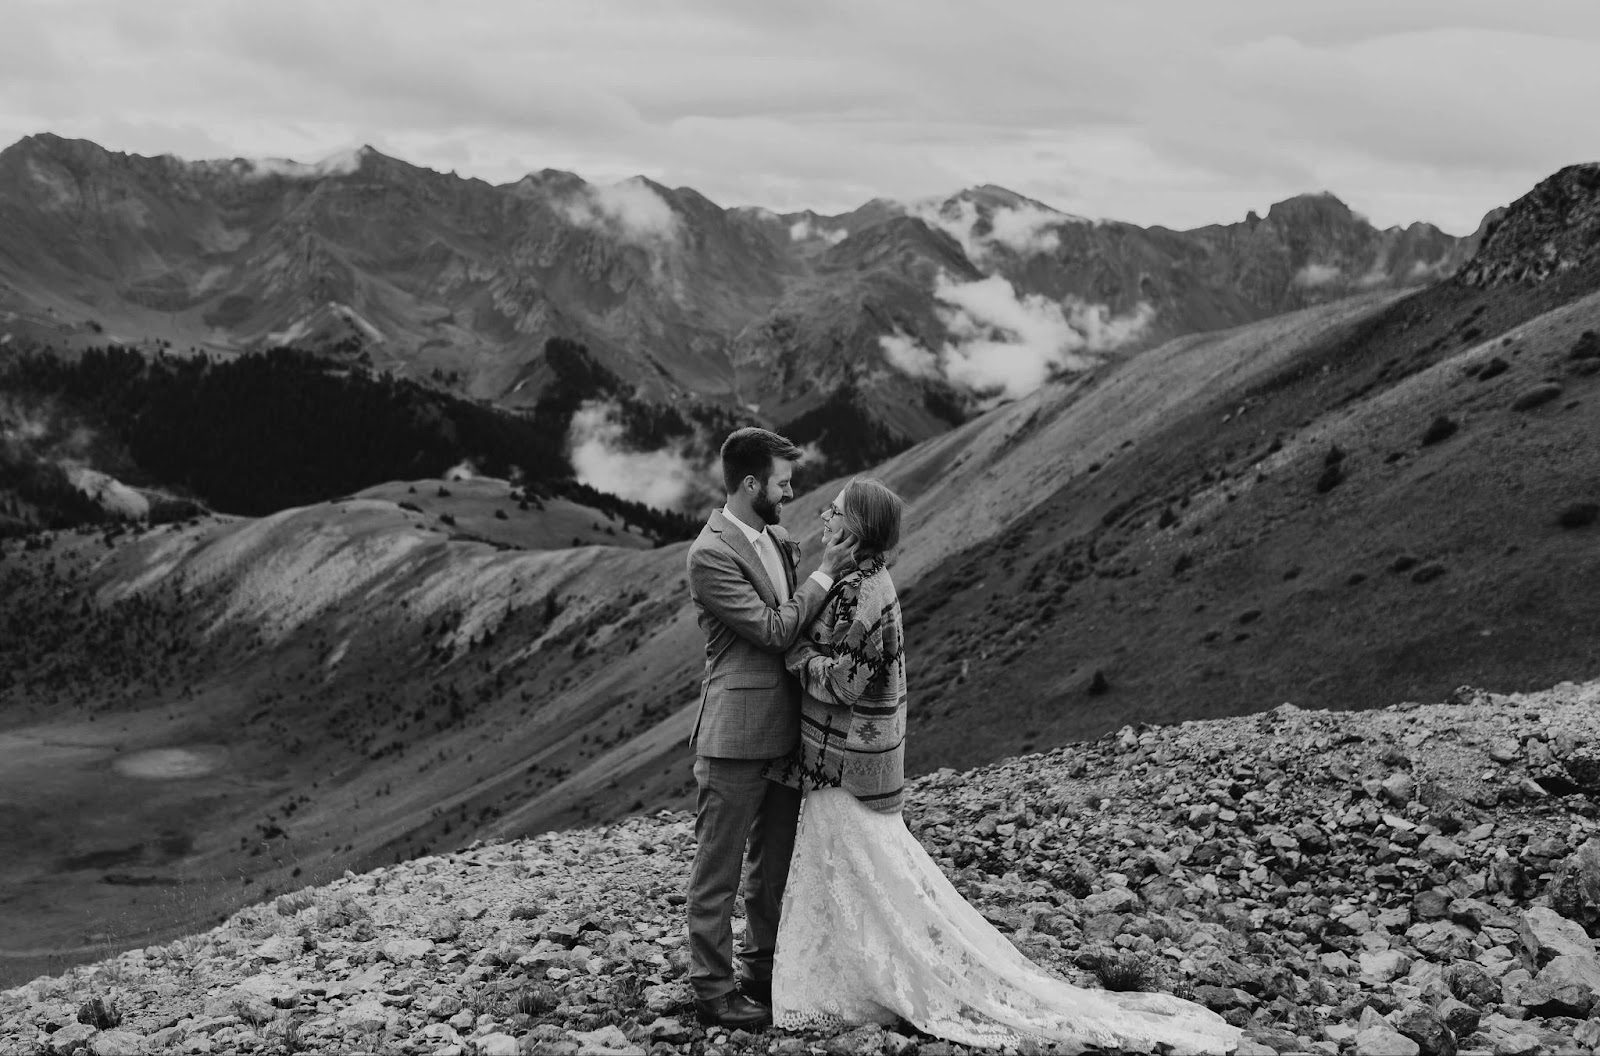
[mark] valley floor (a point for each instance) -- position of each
(1377, 881)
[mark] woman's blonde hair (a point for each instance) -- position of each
(872, 514)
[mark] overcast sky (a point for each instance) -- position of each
(1178, 112)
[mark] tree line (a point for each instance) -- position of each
(266, 431)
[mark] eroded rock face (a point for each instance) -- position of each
(1552, 229)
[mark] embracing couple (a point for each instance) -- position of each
(847, 918)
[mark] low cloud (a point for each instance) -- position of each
(1005, 346)
(1026, 230)
(813, 456)
(342, 163)
(630, 209)
(1314, 275)
(909, 357)
(463, 470)
(803, 230)
(668, 479)
(43, 430)
(1426, 271)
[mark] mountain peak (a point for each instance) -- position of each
(1319, 205)
(548, 179)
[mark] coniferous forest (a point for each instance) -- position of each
(271, 430)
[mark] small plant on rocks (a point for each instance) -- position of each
(1442, 428)
(100, 1014)
(292, 903)
(534, 1001)
(1118, 970)
(484, 1000)
(1579, 515)
(1077, 882)
(1588, 346)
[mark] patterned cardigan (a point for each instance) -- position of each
(852, 670)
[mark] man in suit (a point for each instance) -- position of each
(742, 572)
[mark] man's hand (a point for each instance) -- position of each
(840, 557)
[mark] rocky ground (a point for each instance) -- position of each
(1424, 878)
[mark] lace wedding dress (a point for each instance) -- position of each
(872, 932)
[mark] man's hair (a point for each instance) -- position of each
(749, 453)
(872, 514)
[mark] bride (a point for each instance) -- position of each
(871, 930)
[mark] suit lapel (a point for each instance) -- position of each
(734, 539)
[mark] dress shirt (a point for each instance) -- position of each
(766, 548)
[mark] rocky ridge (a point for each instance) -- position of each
(1552, 229)
(1419, 879)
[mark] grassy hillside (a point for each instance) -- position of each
(1401, 506)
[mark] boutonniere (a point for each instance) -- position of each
(792, 548)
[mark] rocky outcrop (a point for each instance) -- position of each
(1552, 229)
(1266, 866)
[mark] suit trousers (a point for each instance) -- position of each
(738, 809)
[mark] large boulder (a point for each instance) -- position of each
(1583, 765)
(1547, 935)
(1460, 1017)
(1575, 889)
(74, 1037)
(1381, 1037)
(1472, 985)
(1567, 986)
(1427, 1028)
(1383, 966)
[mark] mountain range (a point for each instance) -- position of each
(1370, 499)
(860, 333)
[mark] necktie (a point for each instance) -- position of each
(767, 548)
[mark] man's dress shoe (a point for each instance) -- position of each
(732, 1010)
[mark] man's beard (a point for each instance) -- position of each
(765, 508)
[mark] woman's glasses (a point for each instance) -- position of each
(829, 512)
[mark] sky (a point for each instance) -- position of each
(1174, 112)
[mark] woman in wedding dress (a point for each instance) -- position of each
(871, 930)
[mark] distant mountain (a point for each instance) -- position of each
(862, 332)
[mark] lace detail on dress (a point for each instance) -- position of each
(872, 932)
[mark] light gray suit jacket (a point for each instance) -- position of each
(749, 704)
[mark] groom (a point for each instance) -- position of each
(742, 573)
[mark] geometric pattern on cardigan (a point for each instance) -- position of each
(851, 665)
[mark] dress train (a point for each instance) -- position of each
(872, 931)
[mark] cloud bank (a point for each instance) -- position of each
(1181, 114)
(1026, 230)
(803, 230)
(1313, 275)
(342, 163)
(669, 479)
(630, 209)
(1004, 346)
